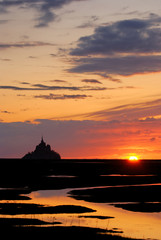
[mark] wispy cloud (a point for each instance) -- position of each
(45, 8)
(24, 44)
(5, 112)
(137, 111)
(58, 81)
(5, 59)
(42, 87)
(62, 96)
(91, 81)
(90, 23)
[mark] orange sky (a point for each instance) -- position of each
(85, 73)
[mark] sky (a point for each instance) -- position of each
(85, 74)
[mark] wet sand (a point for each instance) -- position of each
(58, 232)
(29, 208)
(112, 181)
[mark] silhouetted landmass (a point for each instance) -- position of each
(31, 208)
(119, 194)
(97, 217)
(140, 207)
(14, 194)
(62, 232)
(14, 222)
(35, 174)
(19, 177)
(42, 151)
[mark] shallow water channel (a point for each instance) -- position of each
(106, 216)
(133, 224)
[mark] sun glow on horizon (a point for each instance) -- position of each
(133, 158)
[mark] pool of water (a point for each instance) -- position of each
(133, 224)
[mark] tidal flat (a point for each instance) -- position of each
(106, 199)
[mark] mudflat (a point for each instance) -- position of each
(103, 181)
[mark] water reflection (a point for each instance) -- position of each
(136, 225)
(115, 216)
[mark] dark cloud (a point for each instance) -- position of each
(44, 7)
(46, 17)
(6, 59)
(37, 87)
(42, 87)
(91, 81)
(120, 65)
(5, 111)
(58, 81)
(127, 36)
(24, 83)
(62, 96)
(84, 88)
(125, 47)
(116, 80)
(24, 44)
(108, 77)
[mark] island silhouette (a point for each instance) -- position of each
(42, 151)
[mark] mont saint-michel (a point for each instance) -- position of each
(42, 151)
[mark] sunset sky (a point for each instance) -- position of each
(85, 74)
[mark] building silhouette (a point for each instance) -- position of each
(42, 151)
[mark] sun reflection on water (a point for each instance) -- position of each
(136, 225)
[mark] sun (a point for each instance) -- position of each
(133, 158)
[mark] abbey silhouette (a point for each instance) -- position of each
(42, 151)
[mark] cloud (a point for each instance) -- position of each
(121, 65)
(46, 17)
(108, 77)
(91, 81)
(126, 36)
(24, 83)
(42, 87)
(62, 96)
(6, 112)
(84, 88)
(58, 81)
(5, 59)
(138, 111)
(90, 23)
(45, 8)
(24, 44)
(125, 48)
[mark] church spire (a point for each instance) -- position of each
(42, 139)
(42, 151)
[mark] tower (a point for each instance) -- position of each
(42, 140)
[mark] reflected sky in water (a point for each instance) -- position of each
(136, 225)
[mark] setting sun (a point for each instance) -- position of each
(133, 158)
